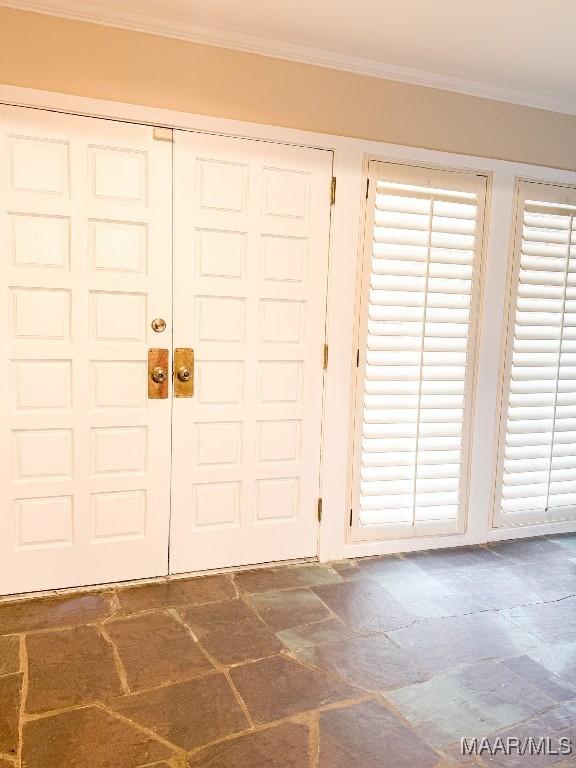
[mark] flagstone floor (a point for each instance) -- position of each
(372, 663)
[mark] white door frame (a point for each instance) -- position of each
(346, 231)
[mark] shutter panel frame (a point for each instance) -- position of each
(543, 264)
(453, 286)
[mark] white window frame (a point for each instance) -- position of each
(512, 521)
(437, 176)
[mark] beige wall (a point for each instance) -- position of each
(91, 60)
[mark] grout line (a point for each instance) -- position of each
(300, 718)
(180, 751)
(300, 627)
(376, 695)
(119, 664)
(366, 692)
(293, 587)
(24, 668)
(124, 614)
(178, 762)
(239, 698)
(115, 605)
(236, 589)
(314, 742)
(220, 668)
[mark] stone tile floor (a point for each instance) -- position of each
(373, 663)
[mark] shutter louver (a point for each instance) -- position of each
(539, 453)
(422, 274)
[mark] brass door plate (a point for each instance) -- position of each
(157, 374)
(183, 372)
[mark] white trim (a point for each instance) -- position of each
(181, 29)
(347, 227)
(441, 542)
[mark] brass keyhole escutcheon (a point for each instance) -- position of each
(158, 374)
(158, 324)
(183, 372)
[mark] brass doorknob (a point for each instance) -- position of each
(158, 374)
(184, 374)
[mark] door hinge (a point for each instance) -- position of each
(357, 358)
(350, 518)
(162, 134)
(325, 358)
(367, 187)
(333, 190)
(320, 510)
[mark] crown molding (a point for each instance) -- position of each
(123, 18)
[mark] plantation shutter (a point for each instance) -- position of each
(416, 348)
(538, 460)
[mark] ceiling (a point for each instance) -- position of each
(517, 50)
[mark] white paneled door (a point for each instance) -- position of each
(250, 269)
(85, 245)
(93, 488)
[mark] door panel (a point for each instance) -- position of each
(251, 253)
(85, 236)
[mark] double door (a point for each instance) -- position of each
(117, 239)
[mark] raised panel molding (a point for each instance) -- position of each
(118, 246)
(220, 253)
(222, 185)
(119, 450)
(280, 381)
(119, 515)
(282, 321)
(219, 382)
(44, 522)
(42, 385)
(119, 384)
(39, 165)
(119, 174)
(217, 443)
(277, 499)
(216, 505)
(220, 318)
(286, 193)
(284, 258)
(39, 313)
(118, 316)
(43, 454)
(39, 241)
(278, 441)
